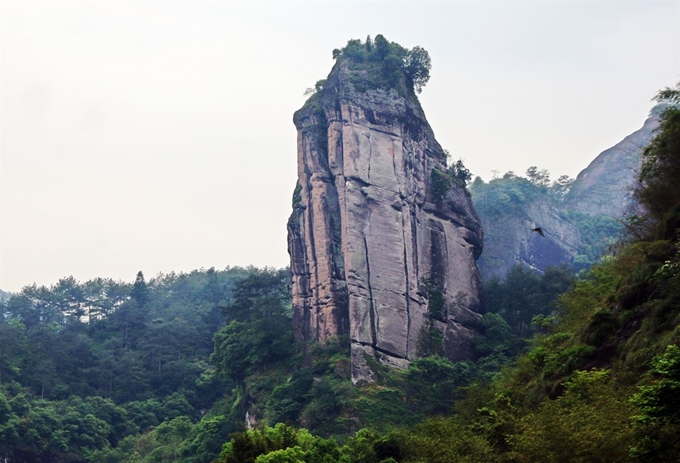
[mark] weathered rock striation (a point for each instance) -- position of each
(379, 230)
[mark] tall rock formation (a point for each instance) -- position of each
(383, 241)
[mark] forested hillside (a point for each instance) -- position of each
(512, 206)
(165, 370)
(600, 381)
(82, 365)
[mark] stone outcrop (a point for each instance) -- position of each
(380, 235)
(605, 186)
(510, 239)
(598, 198)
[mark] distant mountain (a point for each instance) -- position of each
(604, 187)
(577, 226)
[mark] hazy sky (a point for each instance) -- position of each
(158, 135)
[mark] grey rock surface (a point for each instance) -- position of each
(602, 191)
(605, 186)
(368, 238)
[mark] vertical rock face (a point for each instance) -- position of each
(510, 239)
(382, 241)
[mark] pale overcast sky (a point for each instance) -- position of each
(158, 135)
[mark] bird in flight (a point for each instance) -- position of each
(539, 230)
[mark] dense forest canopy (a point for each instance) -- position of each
(118, 372)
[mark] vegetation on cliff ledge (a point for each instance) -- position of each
(382, 64)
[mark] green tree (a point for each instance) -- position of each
(660, 172)
(658, 426)
(590, 422)
(540, 178)
(417, 66)
(9, 428)
(140, 291)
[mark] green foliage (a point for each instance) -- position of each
(387, 65)
(443, 440)
(83, 365)
(259, 333)
(525, 294)
(659, 175)
(283, 444)
(539, 178)
(459, 173)
(242, 348)
(248, 446)
(658, 424)
(297, 197)
(503, 196)
(286, 400)
(496, 346)
(417, 65)
(436, 377)
(441, 183)
(598, 233)
(436, 304)
(140, 291)
(589, 422)
(430, 340)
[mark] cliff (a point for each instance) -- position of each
(578, 226)
(509, 209)
(382, 239)
(604, 187)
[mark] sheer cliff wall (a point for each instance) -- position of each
(378, 252)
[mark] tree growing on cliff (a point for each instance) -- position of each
(417, 65)
(540, 178)
(389, 65)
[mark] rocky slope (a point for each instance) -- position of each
(604, 187)
(577, 227)
(509, 236)
(382, 241)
